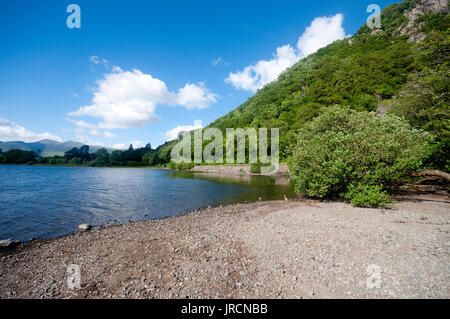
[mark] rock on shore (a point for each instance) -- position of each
(7, 243)
(84, 227)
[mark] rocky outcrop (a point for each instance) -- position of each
(413, 27)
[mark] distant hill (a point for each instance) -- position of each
(46, 147)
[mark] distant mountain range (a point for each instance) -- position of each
(46, 147)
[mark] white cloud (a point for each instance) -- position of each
(173, 133)
(194, 96)
(87, 140)
(137, 144)
(219, 61)
(123, 146)
(10, 131)
(120, 146)
(321, 32)
(81, 124)
(256, 76)
(102, 134)
(125, 99)
(97, 60)
(116, 68)
(83, 127)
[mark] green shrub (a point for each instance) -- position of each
(343, 151)
(368, 196)
(181, 166)
(172, 165)
(255, 168)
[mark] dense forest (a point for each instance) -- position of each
(80, 156)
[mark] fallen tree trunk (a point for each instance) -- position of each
(444, 175)
(442, 190)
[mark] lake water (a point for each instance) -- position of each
(44, 202)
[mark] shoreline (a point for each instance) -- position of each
(213, 169)
(282, 170)
(275, 249)
(72, 165)
(226, 169)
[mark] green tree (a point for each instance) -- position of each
(84, 152)
(425, 103)
(16, 156)
(150, 158)
(72, 153)
(101, 158)
(355, 155)
(116, 157)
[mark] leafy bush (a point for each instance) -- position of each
(16, 156)
(181, 166)
(432, 22)
(355, 155)
(367, 195)
(255, 168)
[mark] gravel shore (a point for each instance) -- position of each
(280, 249)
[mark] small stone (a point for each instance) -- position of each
(7, 243)
(84, 227)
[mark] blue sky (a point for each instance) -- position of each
(139, 71)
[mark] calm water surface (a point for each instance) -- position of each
(44, 202)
